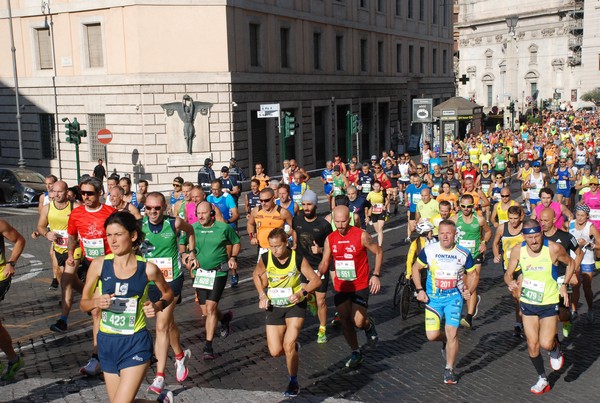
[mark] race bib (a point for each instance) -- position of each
(280, 296)
(595, 214)
(416, 197)
(165, 265)
(337, 190)
(500, 165)
(366, 187)
(485, 188)
(297, 199)
(468, 243)
(93, 247)
(120, 315)
(62, 238)
(562, 184)
(533, 290)
(345, 270)
(580, 159)
(435, 190)
(377, 208)
(446, 279)
(205, 279)
(329, 178)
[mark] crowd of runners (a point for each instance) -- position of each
(127, 252)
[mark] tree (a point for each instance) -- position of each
(592, 96)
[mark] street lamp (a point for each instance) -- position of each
(512, 24)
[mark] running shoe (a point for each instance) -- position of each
(477, 306)
(336, 319)
(292, 390)
(322, 335)
(60, 326)
(542, 386)
(12, 368)
(181, 365)
(574, 316)
(552, 180)
(157, 385)
(567, 327)
(372, 336)
(467, 322)
(53, 284)
(166, 397)
(557, 360)
(355, 360)
(444, 350)
(518, 331)
(235, 280)
(208, 353)
(92, 368)
(450, 377)
(225, 328)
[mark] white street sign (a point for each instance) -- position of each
(267, 114)
(269, 108)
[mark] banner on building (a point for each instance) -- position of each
(422, 110)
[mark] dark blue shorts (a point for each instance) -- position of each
(117, 351)
(154, 294)
(543, 311)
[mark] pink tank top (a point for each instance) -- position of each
(190, 213)
(557, 212)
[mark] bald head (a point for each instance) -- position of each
(547, 218)
(341, 218)
(59, 191)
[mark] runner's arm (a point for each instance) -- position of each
(324, 265)
(374, 248)
(88, 302)
(154, 274)
(18, 241)
(314, 281)
(496, 243)
(42, 225)
(515, 254)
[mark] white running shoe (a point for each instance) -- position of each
(557, 362)
(92, 368)
(542, 386)
(181, 365)
(157, 386)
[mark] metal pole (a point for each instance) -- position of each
(348, 135)
(13, 50)
(77, 160)
(46, 8)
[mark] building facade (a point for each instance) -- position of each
(127, 66)
(541, 57)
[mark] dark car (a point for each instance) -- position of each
(20, 185)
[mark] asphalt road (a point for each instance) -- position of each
(492, 363)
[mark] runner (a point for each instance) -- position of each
(52, 225)
(539, 299)
(117, 202)
(284, 200)
(588, 238)
(446, 264)
(218, 248)
(279, 271)
(365, 179)
(427, 207)
(413, 196)
(473, 234)
(348, 245)
(569, 243)
(121, 278)
(253, 196)
(500, 211)
(358, 204)
(377, 212)
(297, 188)
(327, 180)
(179, 209)
(310, 232)
(508, 235)
(560, 210)
(392, 172)
(261, 176)
(226, 204)
(161, 238)
(7, 271)
(264, 218)
(128, 195)
(535, 182)
(86, 230)
(563, 176)
(229, 184)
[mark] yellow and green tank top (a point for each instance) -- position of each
(284, 278)
(539, 285)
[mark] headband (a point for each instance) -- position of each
(532, 230)
(582, 207)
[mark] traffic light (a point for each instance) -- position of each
(353, 123)
(288, 124)
(74, 132)
(511, 107)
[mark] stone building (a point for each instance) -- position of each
(550, 52)
(127, 65)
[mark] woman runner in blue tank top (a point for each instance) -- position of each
(117, 284)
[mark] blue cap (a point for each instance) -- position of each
(535, 164)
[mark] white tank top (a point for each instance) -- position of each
(404, 171)
(580, 156)
(535, 185)
(426, 156)
(584, 233)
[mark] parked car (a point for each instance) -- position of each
(20, 185)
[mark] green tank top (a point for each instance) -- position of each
(539, 285)
(166, 252)
(499, 163)
(584, 181)
(338, 185)
(468, 235)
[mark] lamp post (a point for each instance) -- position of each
(513, 63)
(13, 50)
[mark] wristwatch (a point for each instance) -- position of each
(304, 292)
(12, 263)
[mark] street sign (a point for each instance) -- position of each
(422, 110)
(269, 108)
(263, 115)
(105, 136)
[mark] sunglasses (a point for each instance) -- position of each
(499, 177)
(264, 200)
(153, 208)
(504, 195)
(466, 205)
(177, 184)
(88, 193)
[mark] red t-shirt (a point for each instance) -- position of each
(349, 256)
(89, 227)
